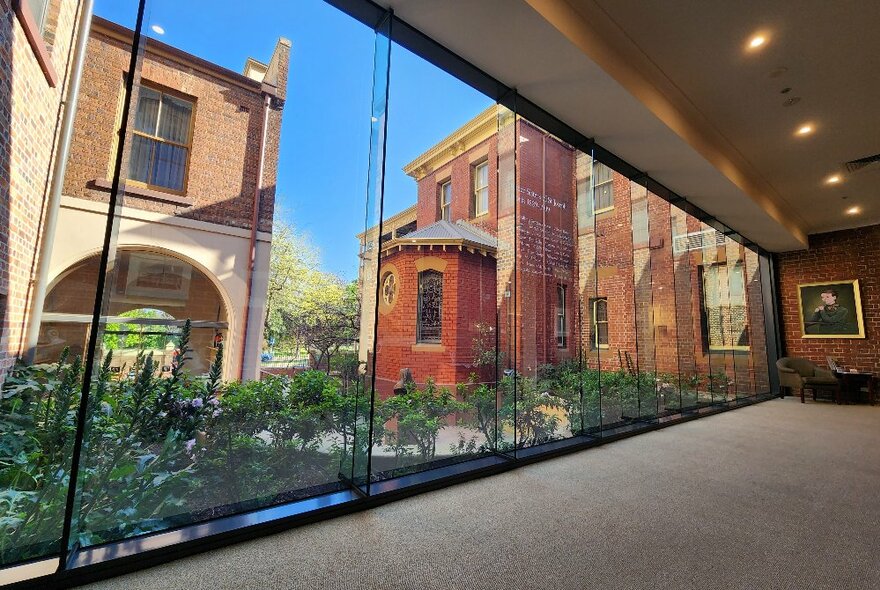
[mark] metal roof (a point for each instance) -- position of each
(443, 231)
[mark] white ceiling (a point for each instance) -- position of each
(710, 108)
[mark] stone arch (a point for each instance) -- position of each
(165, 280)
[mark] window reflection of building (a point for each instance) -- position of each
(561, 319)
(446, 201)
(599, 309)
(724, 303)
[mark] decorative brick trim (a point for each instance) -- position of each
(430, 263)
(35, 39)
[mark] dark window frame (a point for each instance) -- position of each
(435, 335)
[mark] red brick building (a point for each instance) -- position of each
(200, 164)
(588, 266)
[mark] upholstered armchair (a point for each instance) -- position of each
(801, 374)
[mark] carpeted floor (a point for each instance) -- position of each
(777, 495)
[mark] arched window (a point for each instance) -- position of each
(430, 309)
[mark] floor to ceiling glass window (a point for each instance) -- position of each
(615, 302)
(49, 319)
(686, 319)
(436, 361)
(592, 310)
(285, 263)
(227, 370)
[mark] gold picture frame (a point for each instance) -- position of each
(831, 309)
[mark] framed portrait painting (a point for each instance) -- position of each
(831, 310)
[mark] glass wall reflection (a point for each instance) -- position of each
(294, 262)
(436, 356)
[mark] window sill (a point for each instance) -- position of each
(479, 215)
(605, 210)
(729, 349)
(428, 347)
(146, 193)
(35, 39)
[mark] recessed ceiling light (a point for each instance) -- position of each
(833, 179)
(855, 210)
(158, 30)
(757, 41)
(805, 129)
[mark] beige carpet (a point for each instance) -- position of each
(778, 495)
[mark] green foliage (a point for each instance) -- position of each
(159, 449)
(37, 422)
(419, 414)
(482, 398)
(117, 336)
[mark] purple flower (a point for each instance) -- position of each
(190, 444)
(196, 403)
(214, 401)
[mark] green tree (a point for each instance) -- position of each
(293, 266)
(140, 336)
(327, 317)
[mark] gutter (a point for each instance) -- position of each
(41, 281)
(255, 220)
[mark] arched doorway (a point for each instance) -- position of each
(148, 297)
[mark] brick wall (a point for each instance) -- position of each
(835, 256)
(29, 111)
(468, 299)
(460, 173)
(227, 127)
(626, 255)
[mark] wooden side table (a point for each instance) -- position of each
(854, 382)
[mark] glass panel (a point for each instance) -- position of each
(42, 393)
(592, 310)
(507, 317)
(687, 307)
(615, 274)
(663, 307)
(230, 372)
(759, 368)
(643, 311)
(435, 362)
(548, 405)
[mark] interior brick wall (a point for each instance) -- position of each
(835, 256)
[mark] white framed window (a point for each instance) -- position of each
(724, 307)
(603, 189)
(599, 310)
(161, 141)
(561, 317)
(481, 189)
(446, 201)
